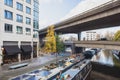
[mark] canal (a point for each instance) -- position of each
(105, 66)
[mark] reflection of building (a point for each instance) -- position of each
(91, 35)
(18, 24)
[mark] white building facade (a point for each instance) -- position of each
(90, 35)
(17, 29)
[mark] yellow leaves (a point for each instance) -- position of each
(117, 36)
(50, 44)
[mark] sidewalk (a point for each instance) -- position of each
(35, 63)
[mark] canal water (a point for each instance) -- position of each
(106, 57)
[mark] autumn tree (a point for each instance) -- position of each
(50, 40)
(59, 44)
(117, 36)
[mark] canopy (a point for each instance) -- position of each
(11, 49)
(26, 48)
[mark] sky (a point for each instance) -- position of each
(53, 11)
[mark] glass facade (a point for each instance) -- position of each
(19, 6)
(8, 2)
(8, 27)
(28, 1)
(28, 10)
(19, 30)
(36, 14)
(35, 18)
(8, 15)
(19, 18)
(28, 20)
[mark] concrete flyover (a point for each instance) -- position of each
(112, 45)
(103, 16)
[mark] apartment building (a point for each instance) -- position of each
(90, 35)
(19, 23)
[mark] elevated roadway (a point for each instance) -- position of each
(112, 45)
(103, 16)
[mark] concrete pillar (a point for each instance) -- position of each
(32, 49)
(73, 48)
(1, 55)
(83, 49)
(79, 36)
(19, 57)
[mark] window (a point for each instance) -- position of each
(19, 30)
(28, 31)
(28, 1)
(19, 18)
(8, 15)
(19, 6)
(8, 2)
(35, 24)
(35, 35)
(28, 20)
(8, 28)
(28, 10)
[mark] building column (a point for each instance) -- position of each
(19, 55)
(32, 49)
(1, 55)
(79, 36)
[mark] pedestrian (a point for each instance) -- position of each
(68, 77)
(61, 75)
(58, 77)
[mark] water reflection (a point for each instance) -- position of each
(104, 57)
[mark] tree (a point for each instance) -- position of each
(50, 41)
(117, 36)
(59, 44)
(109, 35)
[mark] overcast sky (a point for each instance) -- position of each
(53, 11)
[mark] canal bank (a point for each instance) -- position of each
(105, 66)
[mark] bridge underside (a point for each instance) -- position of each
(102, 17)
(106, 22)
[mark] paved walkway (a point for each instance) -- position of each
(35, 63)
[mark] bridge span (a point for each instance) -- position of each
(112, 45)
(103, 16)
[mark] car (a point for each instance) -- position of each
(68, 50)
(96, 50)
(88, 54)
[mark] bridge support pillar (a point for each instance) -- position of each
(73, 48)
(79, 36)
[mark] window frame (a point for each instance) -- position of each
(28, 32)
(20, 5)
(28, 8)
(6, 13)
(28, 1)
(29, 23)
(18, 18)
(8, 27)
(17, 31)
(7, 2)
